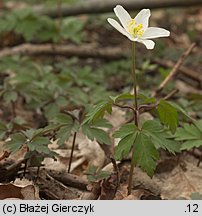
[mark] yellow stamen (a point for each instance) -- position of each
(134, 29)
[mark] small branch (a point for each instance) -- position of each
(171, 94)
(70, 179)
(83, 51)
(184, 70)
(99, 6)
(175, 69)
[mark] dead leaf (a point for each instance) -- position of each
(13, 191)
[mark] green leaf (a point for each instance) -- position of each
(16, 142)
(103, 123)
(123, 96)
(188, 132)
(144, 99)
(199, 124)
(191, 144)
(145, 154)
(3, 130)
(94, 174)
(160, 137)
(190, 135)
(92, 132)
(181, 110)
(125, 130)
(63, 134)
(128, 134)
(10, 96)
(124, 146)
(168, 115)
(39, 144)
(98, 111)
(61, 118)
(31, 133)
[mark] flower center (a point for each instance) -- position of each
(134, 29)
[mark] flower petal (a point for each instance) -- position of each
(153, 32)
(143, 18)
(118, 27)
(123, 15)
(148, 43)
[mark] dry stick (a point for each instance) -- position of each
(83, 51)
(86, 51)
(171, 94)
(175, 69)
(184, 70)
(72, 151)
(69, 179)
(101, 6)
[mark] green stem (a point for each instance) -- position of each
(134, 76)
(136, 116)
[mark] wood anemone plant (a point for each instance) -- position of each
(136, 30)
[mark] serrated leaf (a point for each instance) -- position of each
(191, 144)
(168, 115)
(103, 123)
(144, 99)
(31, 133)
(145, 154)
(63, 134)
(159, 136)
(181, 110)
(39, 144)
(128, 134)
(62, 118)
(199, 124)
(123, 96)
(124, 146)
(94, 174)
(16, 142)
(125, 130)
(190, 134)
(96, 133)
(98, 111)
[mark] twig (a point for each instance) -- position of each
(95, 6)
(83, 51)
(171, 94)
(184, 70)
(175, 69)
(70, 179)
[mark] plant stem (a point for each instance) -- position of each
(136, 116)
(134, 76)
(72, 151)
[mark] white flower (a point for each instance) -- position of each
(137, 29)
